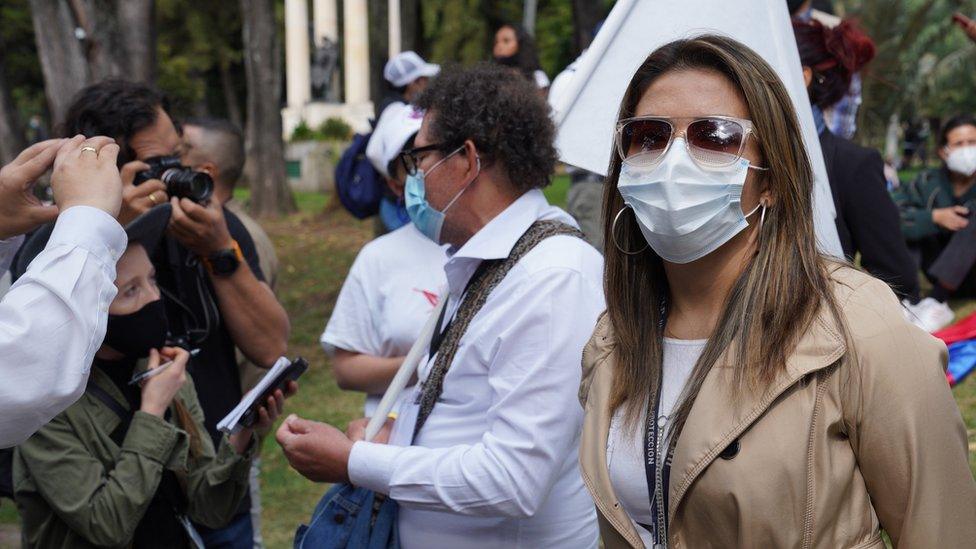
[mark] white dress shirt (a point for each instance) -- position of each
(496, 465)
(391, 289)
(53, 320)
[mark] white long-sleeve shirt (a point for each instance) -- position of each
(53, 320)
(495, 465)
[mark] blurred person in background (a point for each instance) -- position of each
(867, 219)
(937, 219)
(515, 48)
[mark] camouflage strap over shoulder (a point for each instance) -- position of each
(474, 298)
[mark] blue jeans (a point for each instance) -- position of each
(239, 534)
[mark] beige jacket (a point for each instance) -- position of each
(827, 455)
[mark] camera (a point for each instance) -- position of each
(181, 181)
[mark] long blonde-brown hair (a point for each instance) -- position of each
(780, 291)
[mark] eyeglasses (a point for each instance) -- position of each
(712, 141)
(411, 158)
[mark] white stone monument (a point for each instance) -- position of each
(355, 108)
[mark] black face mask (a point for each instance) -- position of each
(135, 334)
(508, 61)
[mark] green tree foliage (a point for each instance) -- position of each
(925, 65)
(23, 72)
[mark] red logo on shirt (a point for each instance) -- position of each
(431, 296)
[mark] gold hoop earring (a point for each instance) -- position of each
(613, 234)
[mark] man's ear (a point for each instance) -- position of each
(807, 76)
(210, 169)
(474, 160)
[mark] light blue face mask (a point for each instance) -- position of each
(428, 220)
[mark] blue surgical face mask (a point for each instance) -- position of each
(428, 220)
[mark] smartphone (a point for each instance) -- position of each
(291, 373)
(961, 19)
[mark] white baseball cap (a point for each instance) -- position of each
(405, 67)
(398, 123)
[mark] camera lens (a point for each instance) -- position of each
(186, 183)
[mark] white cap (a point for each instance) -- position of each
(398, 123)
(406, 67)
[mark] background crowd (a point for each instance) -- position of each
(468, 199)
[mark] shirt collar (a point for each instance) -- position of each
(497, 238)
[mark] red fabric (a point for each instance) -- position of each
(960, 331)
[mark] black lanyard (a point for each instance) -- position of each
(653, 440)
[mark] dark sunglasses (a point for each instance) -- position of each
(712, 141)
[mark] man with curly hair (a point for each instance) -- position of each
(483, 450)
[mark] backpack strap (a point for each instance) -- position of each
(485, 279)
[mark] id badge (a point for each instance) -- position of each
(191, 532)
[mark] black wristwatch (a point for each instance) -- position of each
(224, 262)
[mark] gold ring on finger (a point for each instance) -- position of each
(153, 199)
(90, 149)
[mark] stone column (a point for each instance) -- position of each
(394, 28)
(297, 58)
(326, 21)
(356, 37)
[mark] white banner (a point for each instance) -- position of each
(585, 113)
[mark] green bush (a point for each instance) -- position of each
(303, 133)
(333, 129)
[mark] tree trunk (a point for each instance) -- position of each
(230, 93)
(270, 194)
(62, 55)
(379, 49)
(586, 15)
(412, 23)
(11, 131)
(137, 26)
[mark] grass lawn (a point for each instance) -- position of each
(316, 247)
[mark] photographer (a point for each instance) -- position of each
(52, 320)
(130, 464)
(216, 147)
(207, 266)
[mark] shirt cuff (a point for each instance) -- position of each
(371, 465)
(92, 229)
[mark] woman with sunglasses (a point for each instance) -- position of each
(393, 285)
(742, 390)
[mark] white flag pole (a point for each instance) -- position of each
(406, 371)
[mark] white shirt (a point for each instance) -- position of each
(391, 289)
(53, 320)
(496, 463)
(625, 456)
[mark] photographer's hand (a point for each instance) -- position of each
(20, 210)
(139, 199)
(202, 229)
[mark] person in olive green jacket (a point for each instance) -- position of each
(937, 210)
(131, 466)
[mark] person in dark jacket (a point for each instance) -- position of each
(937, 210)
(867, 218)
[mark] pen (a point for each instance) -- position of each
(142, 376)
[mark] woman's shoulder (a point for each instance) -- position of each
(875, 318)
(595, 353)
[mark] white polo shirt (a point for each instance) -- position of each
(496, 463)
(391, 289)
